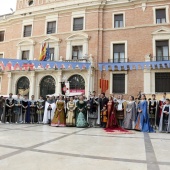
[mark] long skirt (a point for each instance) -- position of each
(70, 121)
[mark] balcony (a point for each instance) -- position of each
(162, 58)
(118, 60)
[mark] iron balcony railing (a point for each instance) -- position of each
(162, 58)
(77, 60)
(118, 60)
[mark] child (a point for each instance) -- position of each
(103, 115)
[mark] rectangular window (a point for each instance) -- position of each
(118, 21)
(162, 82)
(27, 30)
(1, 55)
(118, 83)
(2, 35)
(118, 53)
(78, 23)
(51, 54)
(51, 27)
(160, 16)
(77, 52)
(162, 50)
(25, 55)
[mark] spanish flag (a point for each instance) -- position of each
(43, 53)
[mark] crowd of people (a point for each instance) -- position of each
(97, 111)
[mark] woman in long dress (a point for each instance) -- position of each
(70, 117)
(164, 125)
(111, 121)
(142, 122)
(130, 116)
(59, 115)
(81, 113)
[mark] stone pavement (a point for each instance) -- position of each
(41, 147)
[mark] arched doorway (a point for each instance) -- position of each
(23, 85)
(77, 83)
(47, 86)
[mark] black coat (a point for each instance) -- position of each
(103, 102)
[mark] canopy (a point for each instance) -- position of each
(134, 65)
(33, 64)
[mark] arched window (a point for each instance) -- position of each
(77, 83)
(23, 85)
(47, 86)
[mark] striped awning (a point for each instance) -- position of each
(134, 65)
(34, 64)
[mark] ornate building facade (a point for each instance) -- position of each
(107, 31)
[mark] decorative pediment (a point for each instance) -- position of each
(26, 42)
(51, 39)
(162, 30)
(75, 37)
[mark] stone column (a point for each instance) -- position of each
(31, 54)
(56, 55)
(9, 82)
(85, 47)
(147, 81)
(59, 79)
(18, 52)
(32, 84)
(68, 51)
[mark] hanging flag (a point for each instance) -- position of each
(43, 53)
(48, 55)
(104, 85)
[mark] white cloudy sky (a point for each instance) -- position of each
(5, 6)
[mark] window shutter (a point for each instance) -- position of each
(118, 83)
(162, 43)
(118, 48)
(119, 17)
(160, 13)
(2, 33)
(162, 81)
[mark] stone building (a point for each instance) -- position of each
(100, 31)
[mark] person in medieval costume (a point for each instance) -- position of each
(81, 113)
(25, 110)
(33, 107)
(130, 116)
(9, 111)
(59, 118)
(93, 112)
(142, 122)
(164, 125)
(40, 109)
(103, 100)
(18, 109)
(70, 116)
(161, 103)
(111, 114)
(104, 116)
(120, 110)
(153, 111)
(49, 110)
(2, 103)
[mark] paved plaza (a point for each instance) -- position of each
(41, 147)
